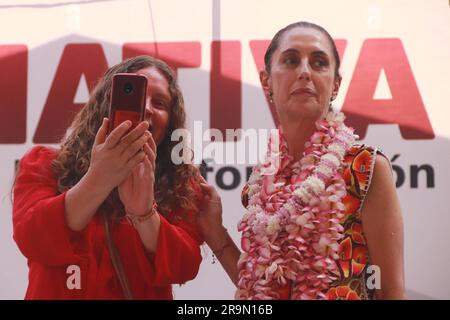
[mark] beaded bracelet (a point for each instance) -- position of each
(134, 220)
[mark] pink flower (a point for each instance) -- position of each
(245, 244)
(317, 137)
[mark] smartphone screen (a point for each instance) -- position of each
(128, 95)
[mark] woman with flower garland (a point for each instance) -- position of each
(323, 220)
(109, 216)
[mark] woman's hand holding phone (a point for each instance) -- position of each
(114, 156)
(137, 190)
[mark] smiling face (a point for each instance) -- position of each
(302, 74)
(158, 103)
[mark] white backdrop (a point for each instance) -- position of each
(421, 27)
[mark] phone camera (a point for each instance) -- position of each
(128, 88)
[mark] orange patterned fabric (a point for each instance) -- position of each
(353, 252)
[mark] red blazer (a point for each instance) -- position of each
(43, 237)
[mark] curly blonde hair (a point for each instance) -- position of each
(173, 183)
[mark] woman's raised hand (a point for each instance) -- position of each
(113, 156)
(137, 190)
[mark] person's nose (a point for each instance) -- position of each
(148, 109)
(304, 72)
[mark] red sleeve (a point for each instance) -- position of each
(40, 230)
(177, 258)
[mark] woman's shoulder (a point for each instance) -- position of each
(38, 160)
(40, 153)
(361, 149)
(363, 158)
(359, 167)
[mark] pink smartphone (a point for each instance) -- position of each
(128, 95)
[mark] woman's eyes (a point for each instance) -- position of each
(291, 60)
(320, 63)
(317, 62)
(160, 104)
(157, 103)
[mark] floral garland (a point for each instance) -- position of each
(291, 229)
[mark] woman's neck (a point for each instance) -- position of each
(297, 134)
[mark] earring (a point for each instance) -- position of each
(270, 96)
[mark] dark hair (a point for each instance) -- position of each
(302, 24)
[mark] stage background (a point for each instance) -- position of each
(395, 69)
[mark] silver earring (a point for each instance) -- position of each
(270, 96)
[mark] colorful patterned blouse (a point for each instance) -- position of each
(353, 262)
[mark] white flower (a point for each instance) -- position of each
(260, 215)
(279, 185)
(347, 136)
(303, 194)
(337, 148)
(323, 244)
(332, 158)
(252, 209)
(331, 116)
(290, 208)
(243, 257)
(326, 170)
(303, 219)
(297, 192)
(339, 117)
(254, 177)
(315, 184)
(273, 267)
(347, 130)
(273, 225)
